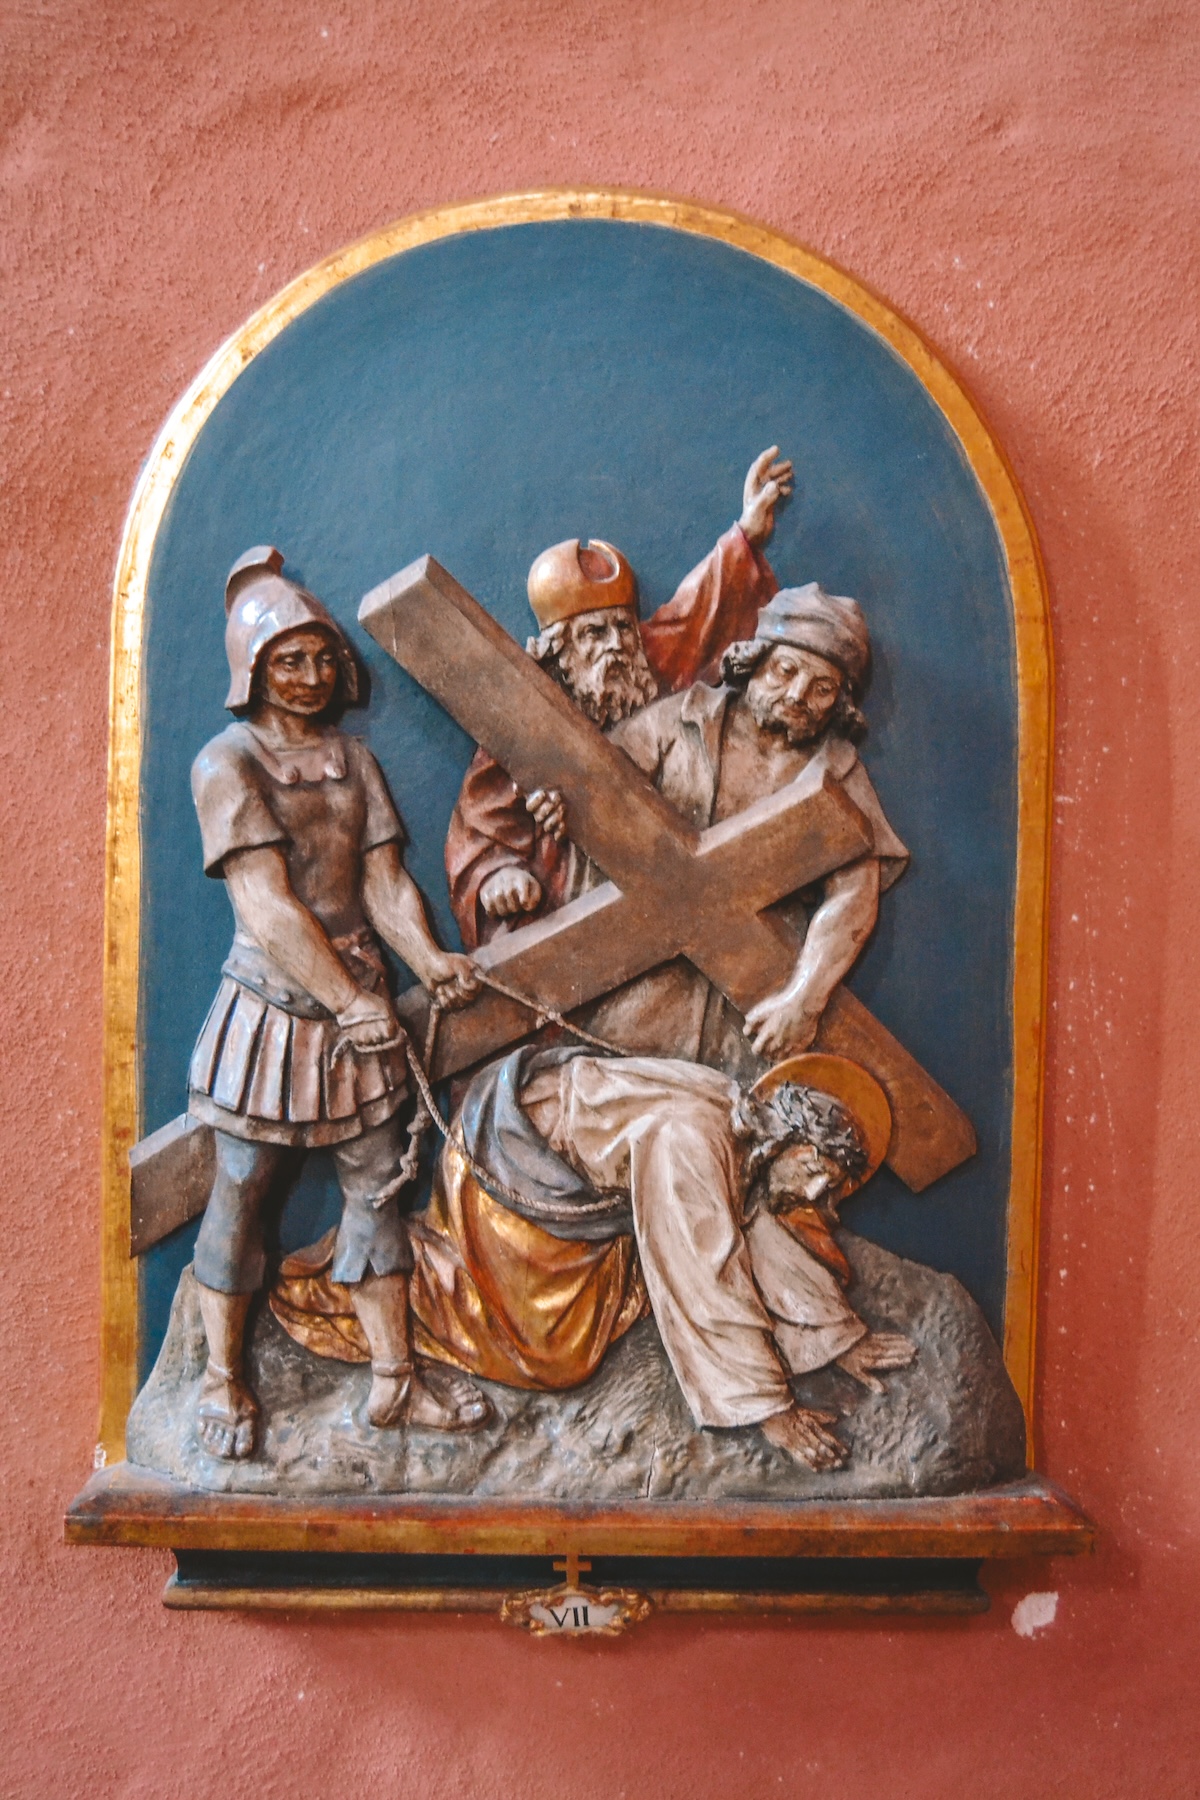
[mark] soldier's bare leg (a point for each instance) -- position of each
(404, 1391)
(372, 1237)
(227, 1413)
(230, 1267)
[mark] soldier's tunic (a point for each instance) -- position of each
(262, 1072)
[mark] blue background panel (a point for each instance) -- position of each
(492, 393)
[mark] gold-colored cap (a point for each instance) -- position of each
(570, 578)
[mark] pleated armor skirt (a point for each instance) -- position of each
(262, 1073)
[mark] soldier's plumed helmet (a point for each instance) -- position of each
(828, 625)
(261, 604)
(570, 578)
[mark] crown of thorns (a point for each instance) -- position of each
(794, 1114)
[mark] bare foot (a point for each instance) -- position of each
(878, 1350)
(226, 1416)
(445, 1391)
(429, 1395)
(802, 1434)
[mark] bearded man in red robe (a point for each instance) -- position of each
(507, 859)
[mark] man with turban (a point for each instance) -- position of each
(507, 860)
(788, 700)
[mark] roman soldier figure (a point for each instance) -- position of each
(301, 1047)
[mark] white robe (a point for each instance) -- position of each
(739, 1302)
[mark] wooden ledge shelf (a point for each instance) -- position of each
(397, 1553)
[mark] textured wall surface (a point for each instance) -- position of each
(1020, 179)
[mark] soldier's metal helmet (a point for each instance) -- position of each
(570, 578)
(261, 604)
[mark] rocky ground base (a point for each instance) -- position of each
(949, 1424)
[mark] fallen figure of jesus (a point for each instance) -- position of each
(525, 1269)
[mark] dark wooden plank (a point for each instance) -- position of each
(607, 937)
(712, 888)
(194, 1597)
(433, 628)
(130, 1506)
(930, 1133)
(170, 1178)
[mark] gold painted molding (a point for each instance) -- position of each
(1034, 668)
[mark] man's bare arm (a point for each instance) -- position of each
(393, 904)
(258, 884)
(786, 1022)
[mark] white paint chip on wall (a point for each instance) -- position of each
(1034, 1613)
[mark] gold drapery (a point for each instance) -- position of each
(491, 1293)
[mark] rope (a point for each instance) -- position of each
(428, 1113)
(546, 1015)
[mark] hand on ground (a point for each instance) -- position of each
(802, 1434)
(878, 1350)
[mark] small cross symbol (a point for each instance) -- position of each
(570, 1567)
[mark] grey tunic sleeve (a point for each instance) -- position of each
(229, 788)
(382, 824)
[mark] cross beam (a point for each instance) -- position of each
(671, 891)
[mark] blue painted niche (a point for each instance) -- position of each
(492, 393)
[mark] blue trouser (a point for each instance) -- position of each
(230, 1250)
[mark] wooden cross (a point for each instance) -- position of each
(672, 890)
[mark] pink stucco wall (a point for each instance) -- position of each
(1020, 179)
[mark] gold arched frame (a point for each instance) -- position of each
(1034, 670)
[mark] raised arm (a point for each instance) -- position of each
(719, 601)
(786, 1022)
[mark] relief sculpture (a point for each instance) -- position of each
(641, 1091)
(301, 1048)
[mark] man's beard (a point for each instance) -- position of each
(797, 724)
(609, 688)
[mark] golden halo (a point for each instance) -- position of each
(850, 1084)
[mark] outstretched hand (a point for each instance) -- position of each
(768, 481)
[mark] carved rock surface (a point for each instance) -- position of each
(949, 1424)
